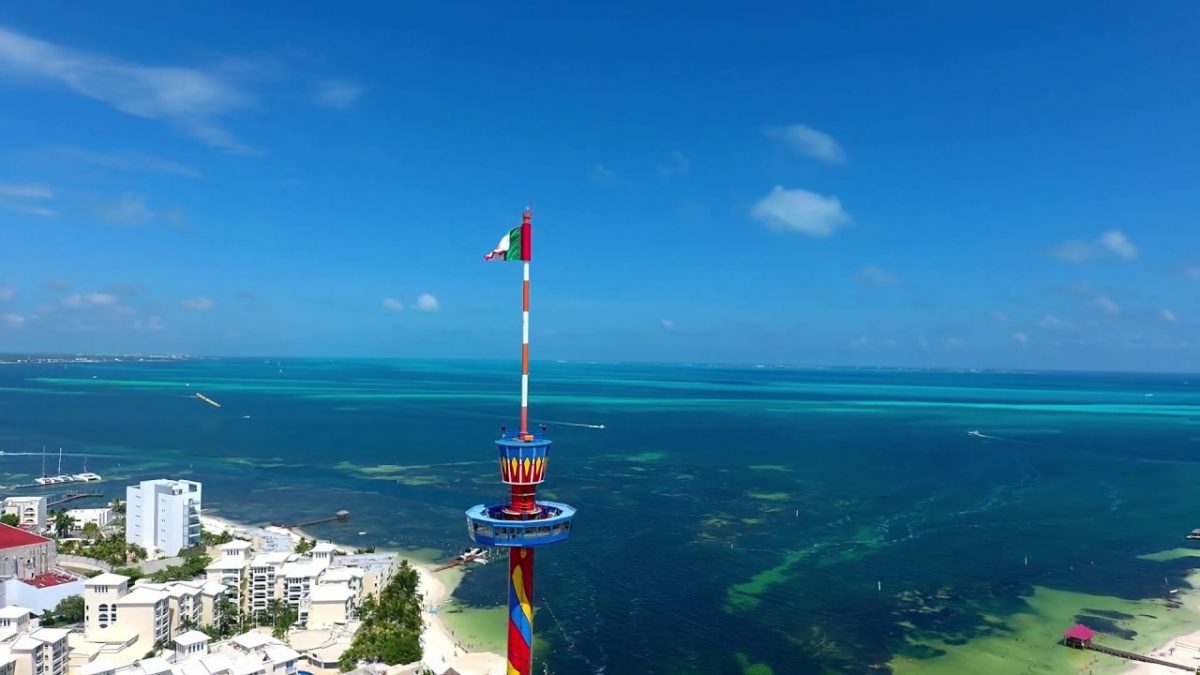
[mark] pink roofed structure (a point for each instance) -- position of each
(1079, 633)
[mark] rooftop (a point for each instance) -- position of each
(301, 569)
(142, 596)
(51, 634)
(97, 666)
(14, 612)
(227, 562)
(50, 579)
(12, 537)
(341, 574)
(273, 558)
(253, 640)
(235, 545)
(155, 665)
(330, 593)
(191, 637)
(1080, 632)
(324, 547)
(106, 579)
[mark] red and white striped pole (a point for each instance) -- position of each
(526, 255)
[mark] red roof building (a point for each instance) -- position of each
(12, 537)
(24, 555)
(1080, 633)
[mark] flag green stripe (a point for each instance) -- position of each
(514, 245)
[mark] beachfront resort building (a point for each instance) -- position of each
(31, 512)
(163, 515)
(256, 580)
(193, 653)
(28, 649)
(122, 622)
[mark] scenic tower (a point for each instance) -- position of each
(522, 523)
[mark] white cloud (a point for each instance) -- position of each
(26, 190)
(1118, 243)
(601, 173)
(393, 304)
(190, 99)
(336, 94)
(1169, 316)
(668, 324)
(152, 323)
(1079, 251)
(201, 303)
(122, 160)
(1054, 323)
(1021, 337)
(130, 209)
(1105, 304)
(800, 211)
(426, 303)
(678, 166)
(998, 316)
(85, 300)
(810, 142)
(1074, 251)
(14, 320)
(25, 198)
(877, 277)
(1192, 273)
(7, 293)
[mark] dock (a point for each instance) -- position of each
(341, 515)
(55, 500)
(1080, 637)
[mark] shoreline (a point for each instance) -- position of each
(440, 650)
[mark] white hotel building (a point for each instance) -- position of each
(163, 515)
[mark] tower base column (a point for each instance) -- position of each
(520, 611)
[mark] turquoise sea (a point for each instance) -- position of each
(732, 519)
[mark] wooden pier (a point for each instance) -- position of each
(55, 500)
(1080, 637)
(341, 515)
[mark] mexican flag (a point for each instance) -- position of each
(516, 245)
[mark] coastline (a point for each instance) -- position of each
(440, 649)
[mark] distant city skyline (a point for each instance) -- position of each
(1008, 186)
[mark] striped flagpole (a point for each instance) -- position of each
(525, 350)
(526, 256)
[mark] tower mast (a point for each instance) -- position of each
(522, 523)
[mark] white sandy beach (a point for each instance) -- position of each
(1178, 649)
(441, 652)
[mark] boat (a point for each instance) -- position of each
(1195, 534)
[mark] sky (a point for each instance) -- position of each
(929, 184)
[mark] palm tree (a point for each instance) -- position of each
(63, 523)
(91, 530)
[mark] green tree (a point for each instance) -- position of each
(117, 505)
(305, 545)
(10, 519)
(209, 539)
(69, 610)
(391, 624)
(92, 531)
(63, 523)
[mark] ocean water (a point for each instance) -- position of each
(732, 519)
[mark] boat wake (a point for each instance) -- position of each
(979, 434)
(581, 425)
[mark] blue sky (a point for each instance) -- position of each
(938, 184)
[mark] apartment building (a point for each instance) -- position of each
(163, 515)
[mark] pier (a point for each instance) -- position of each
(1080, 637)
(341, 515)
(55, 500)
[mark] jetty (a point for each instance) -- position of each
(1080, 637)
(55, 500)
(341, 515)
